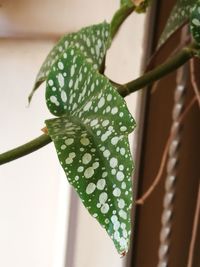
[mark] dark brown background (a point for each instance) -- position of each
(158, 119)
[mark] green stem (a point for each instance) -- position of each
(119, 17)
(25, 149)
(148, 78)
(162, 70)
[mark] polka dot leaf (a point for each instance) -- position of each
(92, 41)
(195, 22)
(178, 16)
(90, 134)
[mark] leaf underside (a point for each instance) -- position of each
(91, 139)
(178, 16)
(92, 41)
(195, 22)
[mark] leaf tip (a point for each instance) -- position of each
(45, 130)
(123, 254)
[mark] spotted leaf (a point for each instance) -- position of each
(92, 41)
(179, 15)
(195, 22)
(91, 139)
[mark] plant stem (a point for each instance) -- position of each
(119, 17)
(25, 149)
(162, 70)
(148, 78)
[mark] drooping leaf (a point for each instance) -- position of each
(91, 139)
(92, 41)
(195, 22)
(178, 16)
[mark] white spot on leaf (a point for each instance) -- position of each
(105, 208)
(64, 96)
(69, 141)
(103, 197)
(101, 184)
(89, 172)
(101, 102)
(121, 203)
(85, 141)
(86, 158)
(90, 188)
(123, 214)
(61, 80)
(60, 65)
(116, 192)
(120, 176)
(113, 162)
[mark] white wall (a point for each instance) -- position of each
(29, 187)
(33, 191)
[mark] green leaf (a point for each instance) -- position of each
(91, 139)
(92, 41)
(178, 16)
(195, 22)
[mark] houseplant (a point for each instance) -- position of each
(77, 58)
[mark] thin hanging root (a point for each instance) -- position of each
(158, 177)
(184, 41)
(187, 109)
(156, 53)
(193, 80)
(154, 87)
(156, 181)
